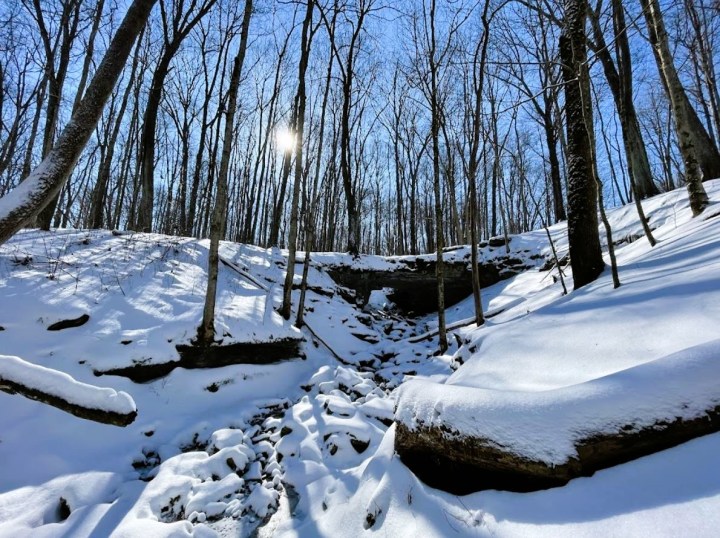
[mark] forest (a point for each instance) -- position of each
(369, 126)
(348, 267)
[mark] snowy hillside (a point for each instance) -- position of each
(305, 447)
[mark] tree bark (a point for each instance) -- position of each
(702, 52)
(100, 190)
(583, 235)
(620, 81)
(479, 61)
(435, 135)
(699, 155)
(300, 101)
(69, 20)
(102, 416)
(181, 28)
(347, 75)
(206, 331)
(706, 157)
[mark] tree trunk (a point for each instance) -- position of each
(100, 190)
(695, 138)
(69, 20)
(435, 134)
(206, 331)
(699, 155)
(347, 72)
(143, 220)
(300, 100)
(555, 179)
(27, 161)
(181, 25)
(620, 82)
(583, 235)
(704, 50)
(474, 159)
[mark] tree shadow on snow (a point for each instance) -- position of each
(678, 475)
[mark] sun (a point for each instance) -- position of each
(285, 140)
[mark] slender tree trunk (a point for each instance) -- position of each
(300, 102)
(480, 58)
(143, 221)
(701, 157)
(206, 331)
(704, 49)
(100, 190)
(601, 203)
(181, 25)
(620, 83)
(555, 178)
(435, 134)
(279, 205)
(279, 201)
(89, 51)
(27, 161)
(311, 205)
(69, 20)
(347, 72)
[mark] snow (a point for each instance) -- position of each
(28, 189)
(515, 390)
(143, 293)
(305, 447)
(548, 425)
(61, 385)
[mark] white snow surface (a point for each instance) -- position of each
(63, 386)
(517, 391)
(305, 447)
(548, 425)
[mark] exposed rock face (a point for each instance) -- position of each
(213, 356)
(459, 464)
(415, 283)
(240, 353)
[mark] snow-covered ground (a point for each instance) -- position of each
(305, 447)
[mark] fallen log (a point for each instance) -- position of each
(69, 323)
(62, 391)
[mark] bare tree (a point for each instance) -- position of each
(699, 154)
(431, 64)
(620, 82)
(99, 193)
(543, 65)
(474, 126)
(206, 331)
(703, 32)
(346, 66)
(300, 104)
(57, 47)
(619, 77)
(24, 203)
(177, 25)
